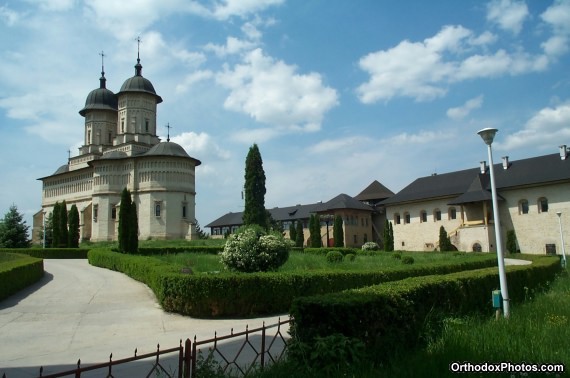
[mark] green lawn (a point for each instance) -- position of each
(298, 261)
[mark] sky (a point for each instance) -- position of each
(335, 93)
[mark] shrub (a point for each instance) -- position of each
(350, 257)
(334, 257)
(397, 255)
(50, 253)
(407, 260)
(17, 272)
(370, 246)
(251, 249)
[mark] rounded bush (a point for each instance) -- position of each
(397, 255)
(334, 257)
(350, 257)
(407, 260)
(370, 246)
(251, 249)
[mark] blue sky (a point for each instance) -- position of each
(335, 93)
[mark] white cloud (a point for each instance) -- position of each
(557, 16)
(233, 46)
(464, 110)
(193, 78)
(54, 5)
(273, 93)
(201, 146)
(259, 135)
(507, 14)
(343, 144)
(423, 70)
(547, 129)
(9, 16)
(421, 138)
(225, 9)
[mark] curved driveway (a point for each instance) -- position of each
(80, 311)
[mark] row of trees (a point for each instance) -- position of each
(62, 227)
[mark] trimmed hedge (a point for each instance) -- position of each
(247, 294)
(50, 253)
(18, 271)
(149, 251)
(393, 317)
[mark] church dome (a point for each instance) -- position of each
(138, 83)
(64, 168)
(100, 98)
(167, 149)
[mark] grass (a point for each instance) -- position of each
(298, 261)
(538, 332)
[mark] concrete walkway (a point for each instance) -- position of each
(78, 311)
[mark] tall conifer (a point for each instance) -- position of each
(338, 233)
(254, 212)
(124, 221)
(56, 235)
(299, 235)
(73, 237)
(63, 232)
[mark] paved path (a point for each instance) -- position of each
(80, 311)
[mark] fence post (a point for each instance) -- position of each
(193, 370)
(78, 371)
(187, 356)
(263, 346)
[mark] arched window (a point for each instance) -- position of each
(542, 205)
(436, 215)
(397, 219)
(157, 209)
(523, 206)
(452, 213)
(407, 218)
(477, 247)
(423, 216)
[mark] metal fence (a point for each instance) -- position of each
(237, 354)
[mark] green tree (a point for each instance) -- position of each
(124, 220)
(338, 233)
(272, 223)
(56, 233)
(292, 231)
(13, 230)
(511, 241)
(388, 236)
(201, 234)
(63, 231)
(48, 230)
(444, 242)
(133, 230)
(73, 237)
(299, 235)
(315, 231)
(254, 212)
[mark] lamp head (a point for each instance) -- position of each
(559, 213)
(487, 134)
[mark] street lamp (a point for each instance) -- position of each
(559, 213)
(488, 134)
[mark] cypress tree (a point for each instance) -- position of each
(13, 230)
(388, 236)
(63, 232)
(254, 212)
(292, 231)
(444, 242)
(48, 229)
(315, 231)
(391, 237)
(56, 237)
(338, 233)
(133, 228)
(511, 241)
(73, 238)
(124, 224)
(299, 235)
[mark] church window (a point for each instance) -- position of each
(113, 212)
(523, 207)
(452, 213)
(110, 137)
(157, 209)
(423, 216)
(397, 219)
(183, 210)
(542, 205)
(122, 125)
(89, 137)
(146, 123)
(436, 215)
(407, 218)
(95, 212)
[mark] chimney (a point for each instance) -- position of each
(505, 162)
(483, 167)
(563, 152)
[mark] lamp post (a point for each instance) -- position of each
(488, 134)
(559, 213)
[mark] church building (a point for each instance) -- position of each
(121, 149)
